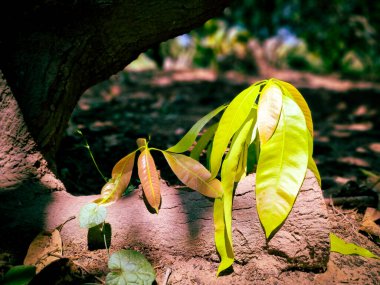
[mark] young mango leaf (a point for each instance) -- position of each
(149, 179)
(189, 138)
(193, 174)
(41, 248)
(121, 176)
(282, 167)
(229, 172)
(300, 100)
(232, 119)
(141, 142)
(340, 246)
(19, 275)
(222, 243)
(91, 215)
(268, 111)
(203, 142)
(129, 267)
(311, 163)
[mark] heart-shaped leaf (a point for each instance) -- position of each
(129, 267)
(189, 138)
(268, 111)
(91, 215)
(340, 246)
(193, 174)
(282, 167)
(121, 176)
(41, 248)
(232, 119)
(149, 179)
(19, 275)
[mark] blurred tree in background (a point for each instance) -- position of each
(319, 36)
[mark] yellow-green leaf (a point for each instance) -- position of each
(340, 246)
(300, 100)
(282, 167)
(189, 138)
(121, 176)
(311, 163)
(229, 173)
(193, 174)
(222, 243)
(149, 179)
(232, 119)
(268, 111)
(203, 142)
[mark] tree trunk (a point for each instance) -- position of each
(61, 49)
(181, 235)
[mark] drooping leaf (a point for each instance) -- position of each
(311, 163)
(129, 267)
(300, 100)
(232, 119)
(121, 176)
(91, 215)
(41, 248)
(282, 167)
(19, 275)
(203, 142)
(340, 246)
(189, 138)
(229, 173)
(193, 174)
(149, 179)
(222, 243)
(268, 111)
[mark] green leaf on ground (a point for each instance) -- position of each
(129, 267)
(19, 275)
(340, 246)
(91, 215)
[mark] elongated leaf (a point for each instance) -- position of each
(300, 100)
(233, 117)
(340, 246)
(121, 176)
(91, 215)
(129, 267)
(229, 171)
(281, 168)
(203, 142)
(41, 248)
(268, 111)
(193, 174)
(19, 275)
(149, 179)
(222, 243)
(311, 163)
(189, 138)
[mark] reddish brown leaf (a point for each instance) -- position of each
(149, 179)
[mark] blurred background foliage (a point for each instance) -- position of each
(326, 36)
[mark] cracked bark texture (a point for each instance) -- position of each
(181, 236)
(60, 48)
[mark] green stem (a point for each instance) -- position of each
(86, 145)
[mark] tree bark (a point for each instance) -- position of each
(64, 47)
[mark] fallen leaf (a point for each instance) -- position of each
(369, 222)
(41, 249)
